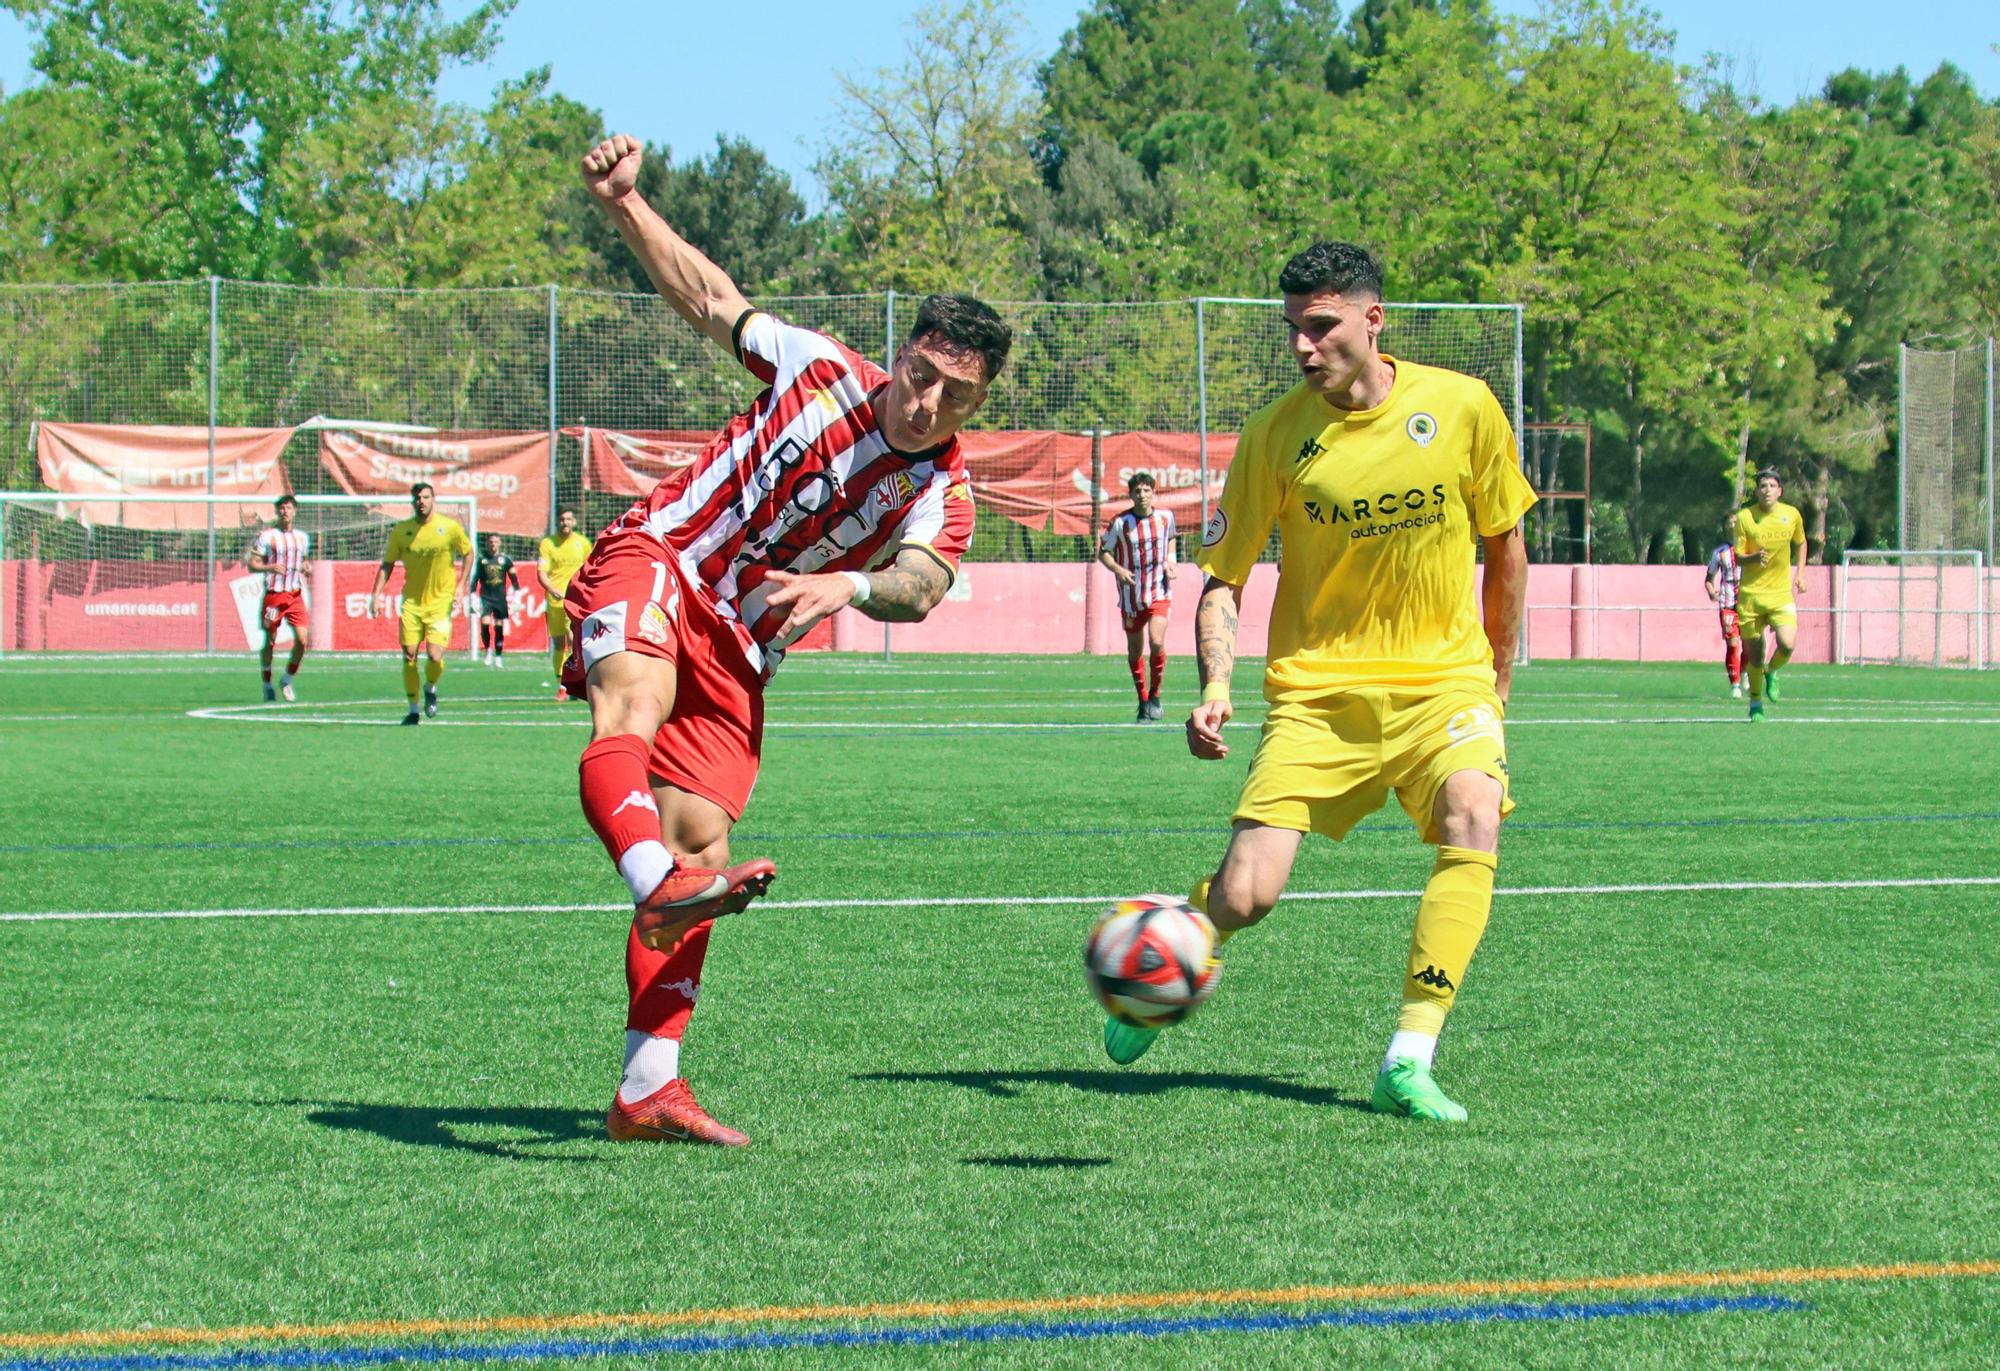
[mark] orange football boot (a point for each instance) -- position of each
(669, 1114)
(691, 894)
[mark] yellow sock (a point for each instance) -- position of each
(1450, 920)
(1198, 897)
(434, 669)
(1756, 674)
(410, 681)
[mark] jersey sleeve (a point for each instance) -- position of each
(1239, 527)
(261, 545)
(1746, 541)
(939, 521)
(461, 542)
(399, 545)
(1799, 536)
(775, 351)
(1499, 494)
(1173, 537)
(544, 551)
(1108, 540)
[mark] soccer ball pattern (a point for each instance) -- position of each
(1150, 960)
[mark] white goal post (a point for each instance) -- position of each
(1903, 607)
(147, 573)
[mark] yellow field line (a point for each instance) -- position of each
(1067, 1304)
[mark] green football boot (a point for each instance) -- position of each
(1125, 1044)
(1756, 711)
(1405, 1087)
(1770, 684)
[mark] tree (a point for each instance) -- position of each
(929, 163)
(191, 108)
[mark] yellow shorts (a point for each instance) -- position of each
(1754, 616)
(557, 618)
(1325, 764)
(426, 624)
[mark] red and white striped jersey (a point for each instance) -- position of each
(1728, 574)
(1144, 547)
(286, 552)
(803, 481)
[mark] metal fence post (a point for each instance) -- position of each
(1902, 450)
(1990, 416)
(553, 501)
(888, 363)
(1201, 400)
(208, 570)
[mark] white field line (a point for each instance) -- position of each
(988, 901)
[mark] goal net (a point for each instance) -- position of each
(1945, 441)
(1915, 608)
(168, 573)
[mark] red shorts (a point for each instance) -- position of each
(631, 596)
(1727, 614)
(283, 607)
(1135, 622)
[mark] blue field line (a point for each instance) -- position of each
(920, 1335)
(961, 834)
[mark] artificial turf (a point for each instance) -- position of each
(348, 1116)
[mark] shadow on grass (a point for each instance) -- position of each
(1020, 1162)
(1007, 1084)
(521, 1133)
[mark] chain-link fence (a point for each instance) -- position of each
(243, 354)
(1945, 443)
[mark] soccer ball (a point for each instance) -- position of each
(1150, 960)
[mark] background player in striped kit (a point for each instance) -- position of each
(1725, 574)
(1138, 548)
(841, 484)
(280, 553)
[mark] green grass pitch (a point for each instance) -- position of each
(311, 1120)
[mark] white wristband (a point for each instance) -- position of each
(862, 590)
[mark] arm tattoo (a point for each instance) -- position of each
(1215, 631)
(906, 591)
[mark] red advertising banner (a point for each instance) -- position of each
(633, 463)
(1040, 479)
(507, 472)
(137, 460)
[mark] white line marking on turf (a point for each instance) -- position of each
(960, 901)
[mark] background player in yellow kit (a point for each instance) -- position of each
(561, 555)
(1771, 548)
(434, 551)
(1379, 475)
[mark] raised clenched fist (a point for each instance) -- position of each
(611, 169)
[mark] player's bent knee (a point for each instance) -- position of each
(1469, 811)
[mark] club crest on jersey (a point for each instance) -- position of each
(1421, 428)
(653, 624)
(1217, 525)
(894, 489)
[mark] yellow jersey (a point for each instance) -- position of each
(1775, 534)
(427, 551)
(560, 558)
(1376, 511)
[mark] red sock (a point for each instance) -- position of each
(663, 985)
(617, 795)
(1734, 661)
(1159, 670)
(1138, 675)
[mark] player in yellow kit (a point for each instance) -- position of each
(435, 553)
(561, 556)
(1380, 476)
(1771, 549)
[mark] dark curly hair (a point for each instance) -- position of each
(964, 324)
(1343, 268)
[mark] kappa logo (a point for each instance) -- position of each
(1308, 450)
(1422, 428)
(688, 986)
(638, 799)
(1434, 978)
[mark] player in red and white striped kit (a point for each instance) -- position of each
(1725, 575)
(280, 553)
(1138, 549)
(843, 484)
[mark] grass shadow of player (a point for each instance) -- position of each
(517, 1133)
(1021, 1161)
(1006, 1085)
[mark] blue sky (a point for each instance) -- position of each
(680, 73)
